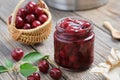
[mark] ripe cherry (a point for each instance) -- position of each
(73, 58)
(36, 23)
(43, 66)
(34, 76)
(30, 18)
(30, 8)
(38, 11)
(19, 22)
(22, 12)
(27, 26)
(17, 54)
(63, 55)
(55, 73)
(43, 18)
(33, 3)
(84, 24)
(64, 24)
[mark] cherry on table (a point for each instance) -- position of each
(17, 54)
(43, 66)
(34, 76)
(55, 73)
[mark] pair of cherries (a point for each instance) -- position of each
(43, 66)
(31, 16)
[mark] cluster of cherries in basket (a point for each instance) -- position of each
(43, 66)
(31, 16)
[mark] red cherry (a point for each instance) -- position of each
(43, 66)
(19, 22)
(30, 8)
(55, 73)
(36, 23)
(33, 3)
(43, 18)
(73, 59)
(38, 11)
(17, 54)
(64, 24)
(68, 20)
(70, 29)
(63, 55)
(30, 18)
(9, 19)
(22, 12)
(27, 26)
(84, 24)
(34, 76)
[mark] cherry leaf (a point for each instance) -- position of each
(34, 56)
(3, 69)
(27, 69)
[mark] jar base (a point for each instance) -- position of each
(76, 70)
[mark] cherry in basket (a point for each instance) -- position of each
(30, 16)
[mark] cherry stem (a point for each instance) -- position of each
(15, 71)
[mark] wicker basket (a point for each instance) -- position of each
(31, 36)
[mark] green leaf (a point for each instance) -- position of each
(33, 57)
(27, 69)
(9, 64)
(3, 69)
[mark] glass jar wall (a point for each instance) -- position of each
(74, 43)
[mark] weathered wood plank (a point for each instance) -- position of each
(103, 41)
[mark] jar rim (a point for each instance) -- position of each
(74, 17)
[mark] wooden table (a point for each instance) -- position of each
(103, 41)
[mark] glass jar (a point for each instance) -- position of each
(74, 43)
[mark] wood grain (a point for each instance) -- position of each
(103, 41)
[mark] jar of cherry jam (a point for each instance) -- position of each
(74, 43)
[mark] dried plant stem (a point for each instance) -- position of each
(16, 71)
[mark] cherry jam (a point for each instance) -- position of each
(74, 43)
